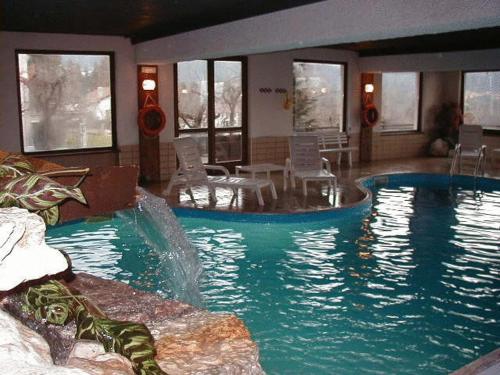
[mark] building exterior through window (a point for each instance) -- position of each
(66, 101)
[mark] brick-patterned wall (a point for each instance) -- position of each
(492, 142)
(129, 155)
(269, 150)
(354, 141)
(275, 150)
(167, 160)
(396, 146)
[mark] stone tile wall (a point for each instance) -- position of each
(399, 146)
(167, 160)
(268, 150)
(128, 155)
(492, 142)
(275, 150)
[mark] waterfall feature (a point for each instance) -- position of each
(160, 229)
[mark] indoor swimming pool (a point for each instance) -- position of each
(409, 284)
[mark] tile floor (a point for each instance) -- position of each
(318, 196)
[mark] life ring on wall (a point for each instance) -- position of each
(151, 120)
(370, 116)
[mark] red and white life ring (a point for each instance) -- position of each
(370, 116)
(151, 120)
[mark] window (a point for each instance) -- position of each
(210, 108)
(318, 95)
(400, 102)
(481, 99)
(66, 101)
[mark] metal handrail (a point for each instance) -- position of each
(457, 154)
(457, 158)
(480, 162)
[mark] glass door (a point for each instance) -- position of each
(211, 108)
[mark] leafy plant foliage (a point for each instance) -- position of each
(21, 186)
(39, 194)
(54, 303)
(15, 165)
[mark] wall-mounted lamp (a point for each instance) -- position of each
(369, 88)
(148, 85)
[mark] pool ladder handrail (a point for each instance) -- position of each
(480, 160)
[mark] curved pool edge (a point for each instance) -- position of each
(358, 208)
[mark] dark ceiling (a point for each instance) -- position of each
(444, 42)
(139, 20)
(142, 20)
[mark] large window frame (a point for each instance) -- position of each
(211, 129)
(418, 120)
(81, 150)
(344, 94)
(462, 99)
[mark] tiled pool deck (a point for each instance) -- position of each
(318, 197)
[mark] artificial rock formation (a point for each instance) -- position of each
(23, 351)
(188, 340)
(24, 255)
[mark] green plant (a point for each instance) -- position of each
(14, 165)
(54, 303)
(40, 194)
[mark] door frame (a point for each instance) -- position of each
(211, 131)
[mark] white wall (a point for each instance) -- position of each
(433, 62)
(166, 99)
(442, 74)
(266, 114)
(267, 117)
(125, 74)
(438, 88)
(323, 23)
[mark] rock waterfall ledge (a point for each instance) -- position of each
(188, 340)
(24, 255)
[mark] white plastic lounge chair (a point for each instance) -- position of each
(470, 145)
(193, 172)
(306, 163)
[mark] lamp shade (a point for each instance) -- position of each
(369, 88)
(148, 85)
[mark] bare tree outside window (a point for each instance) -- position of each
(220, 137)
(228, 94)
(65, 101)
(482, 99)
(192, 94)
(318, 95)
(228, 110)
(399, 108)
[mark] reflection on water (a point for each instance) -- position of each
(413, 289)
(91, 251)
(111, 249)
(389, 242)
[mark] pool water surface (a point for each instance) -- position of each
(410, 287)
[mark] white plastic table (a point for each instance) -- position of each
(261, 168)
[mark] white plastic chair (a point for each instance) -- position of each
(193, 172)
(306, 163)
(470, 145)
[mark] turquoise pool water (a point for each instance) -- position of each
(410, 286)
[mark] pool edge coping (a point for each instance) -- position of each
(358, 207)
